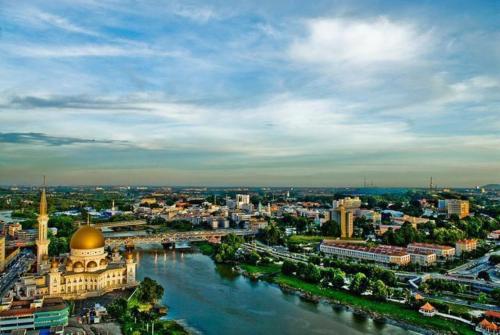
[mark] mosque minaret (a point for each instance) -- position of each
(42, 242)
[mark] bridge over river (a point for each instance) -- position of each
(213, 236)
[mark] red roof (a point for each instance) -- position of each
(493, 314)
(430, 246)
(427, 308)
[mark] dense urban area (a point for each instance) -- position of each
(428, 259)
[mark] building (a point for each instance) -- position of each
(345, 219)
(423, 257)
(427, 310)
(454, 206)
(348, 202)
(242, 200)
(88, 271)
(381, 254)
(2, 253)
(486, 327)
(32, 314)
(494, 235)
(459, 208)
(466, 245)
(441, 251)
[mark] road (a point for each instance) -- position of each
(15, 270)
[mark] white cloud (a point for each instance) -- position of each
(61, 22)
(336, 41)
(88, 50)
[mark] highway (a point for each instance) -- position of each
(15, 270)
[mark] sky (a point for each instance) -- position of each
(253, 93)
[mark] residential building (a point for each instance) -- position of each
(441, 251)
(466, 245)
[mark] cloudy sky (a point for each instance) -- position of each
(305, 93)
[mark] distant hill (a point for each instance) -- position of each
(491, 187)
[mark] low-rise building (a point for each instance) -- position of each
(32, 314)
(441, 251)
(423, 257)
(466, 245)
(380, 254)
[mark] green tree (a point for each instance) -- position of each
(149, 291)
(118, 308)
(330, 228)
(253, 258)
(312, 274)
(359, 283)
(379, 290)
(495, 295)
(288, 268)
(482, 298)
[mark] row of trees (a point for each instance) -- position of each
(336, 278)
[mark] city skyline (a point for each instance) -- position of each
(250, 94)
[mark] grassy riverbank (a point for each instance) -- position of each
(206, 248)
(390, 310)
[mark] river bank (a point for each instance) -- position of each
(386, 311)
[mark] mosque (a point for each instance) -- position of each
(88, 271)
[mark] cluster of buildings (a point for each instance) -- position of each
(425, 254)
(236, 212)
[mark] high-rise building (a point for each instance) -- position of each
(348, 202)
(458, 207)
(454, 206)
(42, 242)
(345, 219)
(2, 253)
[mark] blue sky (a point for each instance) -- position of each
(300, 93)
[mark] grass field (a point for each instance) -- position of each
(263, 269)
(391, 310)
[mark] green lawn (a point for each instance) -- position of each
(391, 310)
(263, 269)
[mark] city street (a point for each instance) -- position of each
(15, 270)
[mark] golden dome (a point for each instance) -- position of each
(129, 255)
(87, 237)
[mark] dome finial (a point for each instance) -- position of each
(88, 219)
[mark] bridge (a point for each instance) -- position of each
(213, 236)
(120, 224)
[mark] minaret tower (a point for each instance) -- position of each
(42, 242)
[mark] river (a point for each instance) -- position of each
(212, 299)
